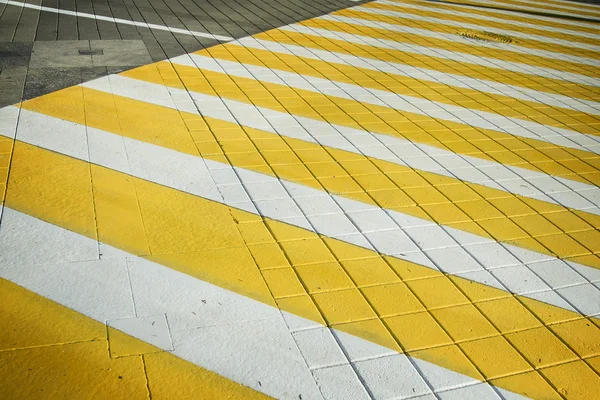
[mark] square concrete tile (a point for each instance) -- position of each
(86, 53)
(119, 53)
(64, 53)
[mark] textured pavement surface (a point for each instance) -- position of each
(398, 199)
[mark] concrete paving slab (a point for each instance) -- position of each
(372, 203)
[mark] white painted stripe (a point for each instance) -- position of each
(541, 9)
(417, 105)
(462, 81)
(399, 151)
(530, 16)
(446, 54)
(422, 6)
(389, 232)
(460, 39)
(465, 25)
(241, 339)
(117, 20)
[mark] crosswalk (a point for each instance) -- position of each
(381, 202)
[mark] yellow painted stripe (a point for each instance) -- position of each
(522, 39)
(473, 208)
(456, 46)
(323, 273)
(459, 138)
(498, 12)
(73, 362)
(434, 91)
(438, 64)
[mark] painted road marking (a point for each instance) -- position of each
(403, 98)
(549, 85)
(153, 200)
(403, 153)
(398, 151)
(546, 72)
(377, 12)
(458, 46)
(81, 361)
(480, 18)
(375, 265)
(423, 74)
(581, 7)
(170, 295)
(439, 36)
(117, 20)
(346, 221)
(547, 20)
(538, 9)
(421, 129)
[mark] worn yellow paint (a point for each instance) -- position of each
(50, 351)
(462, 47)
(340, 308)
(456, 96)
(529, 81)
(441, 27)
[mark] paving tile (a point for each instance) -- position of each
(362, 204)
(319, 348)
(392, 376)
(152, 329)
(339, 382)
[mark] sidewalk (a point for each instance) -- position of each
(395, 200)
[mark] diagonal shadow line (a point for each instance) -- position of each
(537, 13)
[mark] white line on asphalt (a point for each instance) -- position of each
(118, 20)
